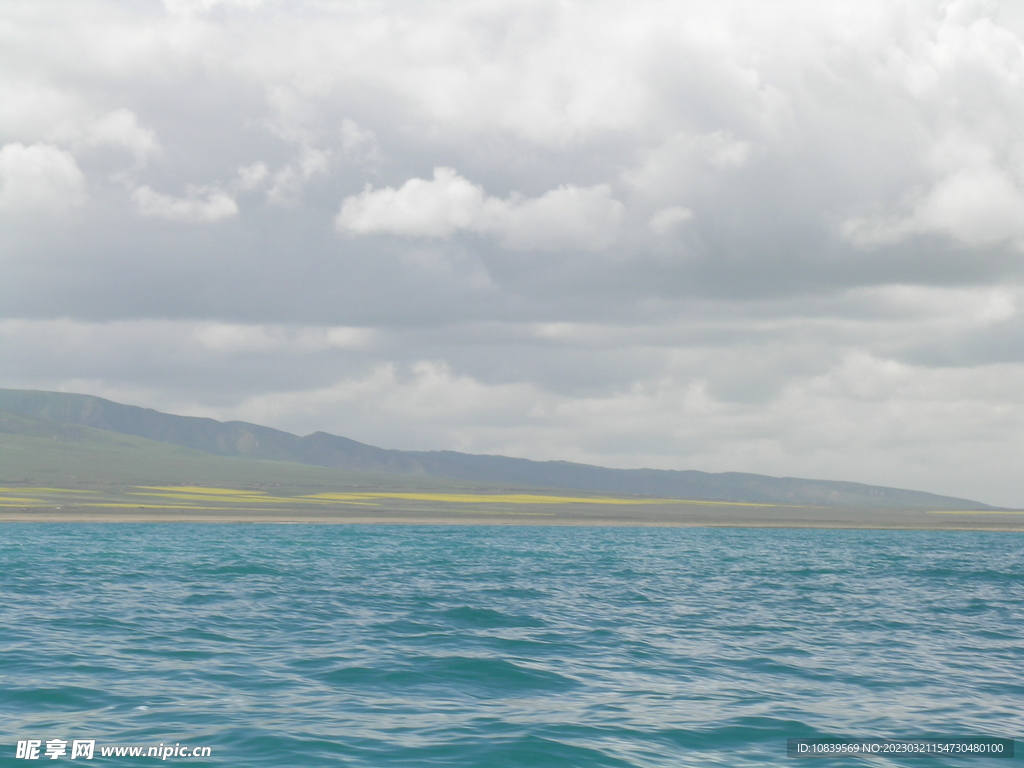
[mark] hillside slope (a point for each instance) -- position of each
(37, 452)
(243, 440)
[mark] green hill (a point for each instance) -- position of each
(98, 438)
(40, 452)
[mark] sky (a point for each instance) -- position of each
(783, 238)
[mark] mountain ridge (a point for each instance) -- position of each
(244, 440)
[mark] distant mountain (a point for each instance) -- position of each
(243, 440)
(38, 452)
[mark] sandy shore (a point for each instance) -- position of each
(669, 515)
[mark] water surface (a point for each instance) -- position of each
(302, 645)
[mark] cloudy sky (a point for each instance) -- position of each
(778, 237)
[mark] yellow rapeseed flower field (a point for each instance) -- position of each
(214, 498)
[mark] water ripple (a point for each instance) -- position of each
(505, 646)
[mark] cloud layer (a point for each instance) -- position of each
(567, 218)
(781, 237)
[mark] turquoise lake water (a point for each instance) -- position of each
(303, 645)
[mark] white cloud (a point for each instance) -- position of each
(290, 180)
(201, 204)
(963, 73)
(586, 218)
(978, 206)
(39, 177)
(961, 48)
(43, 112)
(252, 176)
(419, 208)
(686, 159)
(425, 395)
(187, 7)
(358, 144)
(262, 338)
(121, 127)
(37, 110)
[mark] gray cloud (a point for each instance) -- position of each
(782, 238)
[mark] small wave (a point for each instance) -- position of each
(457, 676)
(487, 618)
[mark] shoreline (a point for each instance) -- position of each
(678, 517)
